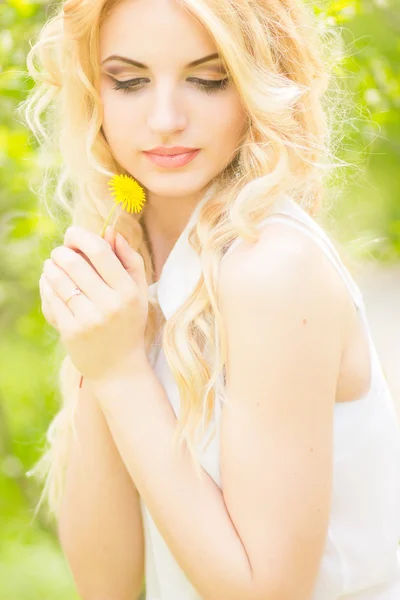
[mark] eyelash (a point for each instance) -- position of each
(207, 85)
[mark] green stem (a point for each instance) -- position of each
(108, 220)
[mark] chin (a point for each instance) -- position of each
(177, 184)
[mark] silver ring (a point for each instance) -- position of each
(75, 292)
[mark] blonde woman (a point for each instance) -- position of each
(234, 437)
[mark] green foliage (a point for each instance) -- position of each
(371, 73)
(31, 563)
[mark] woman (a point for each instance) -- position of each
(224, 309)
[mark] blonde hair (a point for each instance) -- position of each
(275, 55)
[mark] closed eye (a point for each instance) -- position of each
(208, 85)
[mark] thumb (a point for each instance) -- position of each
(131, 260)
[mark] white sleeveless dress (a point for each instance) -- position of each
(361, 560)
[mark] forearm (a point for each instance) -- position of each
(190, 513)
(100, 526)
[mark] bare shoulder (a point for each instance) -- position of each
(286, 274)
(282, 257)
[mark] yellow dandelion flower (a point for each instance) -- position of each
(128, 192)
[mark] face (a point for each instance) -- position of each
(167, 102)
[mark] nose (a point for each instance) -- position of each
(166, 114)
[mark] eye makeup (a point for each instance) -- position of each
(207, 85)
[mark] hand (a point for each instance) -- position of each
(109, 236)
(103, 327)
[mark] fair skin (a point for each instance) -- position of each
(280, 301)
(242, 540)
(170, 107)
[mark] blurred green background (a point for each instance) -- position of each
(31, 563)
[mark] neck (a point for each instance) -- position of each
(163, 221)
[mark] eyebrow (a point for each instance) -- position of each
(140, 65)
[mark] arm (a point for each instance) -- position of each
(100, 526)
(262, 536)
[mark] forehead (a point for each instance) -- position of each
(154, 30)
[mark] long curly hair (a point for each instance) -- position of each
(279, 61)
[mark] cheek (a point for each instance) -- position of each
(114, 113)
(228, 123)
(118, 120)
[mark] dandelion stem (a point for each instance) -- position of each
(107, 220)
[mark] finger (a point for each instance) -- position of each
(100, 254)
(63, 286)
(62, 314)
(131, 261)
(82, 275)
(109, 236)
(46, 309)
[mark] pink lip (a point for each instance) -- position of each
(171, 150)
(173, 160)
